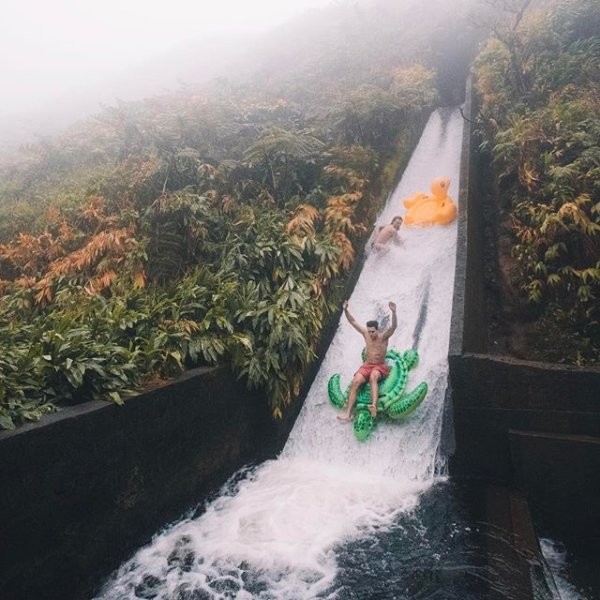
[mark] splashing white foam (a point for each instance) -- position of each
(555, 555)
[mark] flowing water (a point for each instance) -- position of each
(331, 517)
(575, 575)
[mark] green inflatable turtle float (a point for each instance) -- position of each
(394, 403)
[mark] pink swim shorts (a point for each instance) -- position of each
(366, 369)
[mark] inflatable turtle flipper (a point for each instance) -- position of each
(407, 403)
(364, 424)
(336, 396)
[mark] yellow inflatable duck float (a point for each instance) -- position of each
(438, 209)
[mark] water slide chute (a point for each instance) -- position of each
(394, 403)
(436, 209)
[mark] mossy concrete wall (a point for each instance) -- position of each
(512, 418)
(86, 486)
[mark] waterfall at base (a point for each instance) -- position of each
(279, 531)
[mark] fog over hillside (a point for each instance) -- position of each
(319, 37)
(63, 60)
(192, 63)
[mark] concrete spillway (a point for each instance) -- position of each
(279, 531)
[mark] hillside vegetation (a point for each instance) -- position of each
(210, 226)
(218, 225)
(538, 80)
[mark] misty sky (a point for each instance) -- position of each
(50, 47)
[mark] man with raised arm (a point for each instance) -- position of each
(374, 367)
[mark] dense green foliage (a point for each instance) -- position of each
(540, 99)
(212, 226)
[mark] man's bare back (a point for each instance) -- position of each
(386, 233)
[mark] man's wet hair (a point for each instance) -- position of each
(373, 324)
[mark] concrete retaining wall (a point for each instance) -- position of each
(86, 486)
(510, 417)
(560, 473)
(493, 395)
(468, 321)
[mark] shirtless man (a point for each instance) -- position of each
(386, 233)
(374, 368)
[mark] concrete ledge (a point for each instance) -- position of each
(504, 382)
(560, 474)
(85, 487)
(493, 395)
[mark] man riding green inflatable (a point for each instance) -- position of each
(374, 367)
(386, 381)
